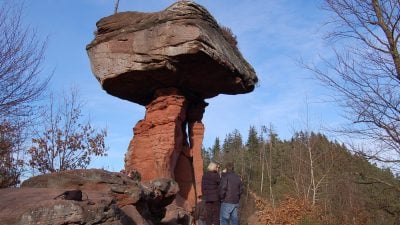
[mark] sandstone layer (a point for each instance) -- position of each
(108, 198)
(135, 53)
(167, 143)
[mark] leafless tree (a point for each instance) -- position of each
(66, 141)
(268, 146)
(365, 74)
(21, 56)
(116, 5)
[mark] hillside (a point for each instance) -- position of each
(308, 179)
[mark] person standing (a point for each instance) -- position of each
(210, 189)
(230, 189)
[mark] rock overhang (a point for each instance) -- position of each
(134, 54)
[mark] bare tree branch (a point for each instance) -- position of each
(21, 84)
(365, 74)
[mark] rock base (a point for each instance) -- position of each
(108, 198)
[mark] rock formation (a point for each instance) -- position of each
(108, 198)
(169, 62)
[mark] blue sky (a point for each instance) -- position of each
(272, 36)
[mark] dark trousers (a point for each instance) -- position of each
(213, 209)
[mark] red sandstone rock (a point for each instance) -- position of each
(108, 199)
(158, 138)
(169, 61)
(28, 206)
(135, 53)
(161, 146)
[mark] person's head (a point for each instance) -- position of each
(229, 167)
(213, 167)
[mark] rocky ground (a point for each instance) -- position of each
(108, 198)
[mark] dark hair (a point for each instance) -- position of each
(229, 167)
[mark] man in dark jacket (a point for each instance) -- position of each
(230, 190)
(209, 188)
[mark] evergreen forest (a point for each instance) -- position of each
(307, 180)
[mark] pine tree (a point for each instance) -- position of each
(232, 149)
(206, 157)
(216, 150)
(253, 141)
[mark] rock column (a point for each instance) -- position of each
(189, 169)
(167, 143)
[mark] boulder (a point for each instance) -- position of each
(108, 198)
(134, 54)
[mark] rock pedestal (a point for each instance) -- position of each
(167, 143)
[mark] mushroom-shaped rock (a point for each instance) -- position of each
(134, 54)
(170, 62)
